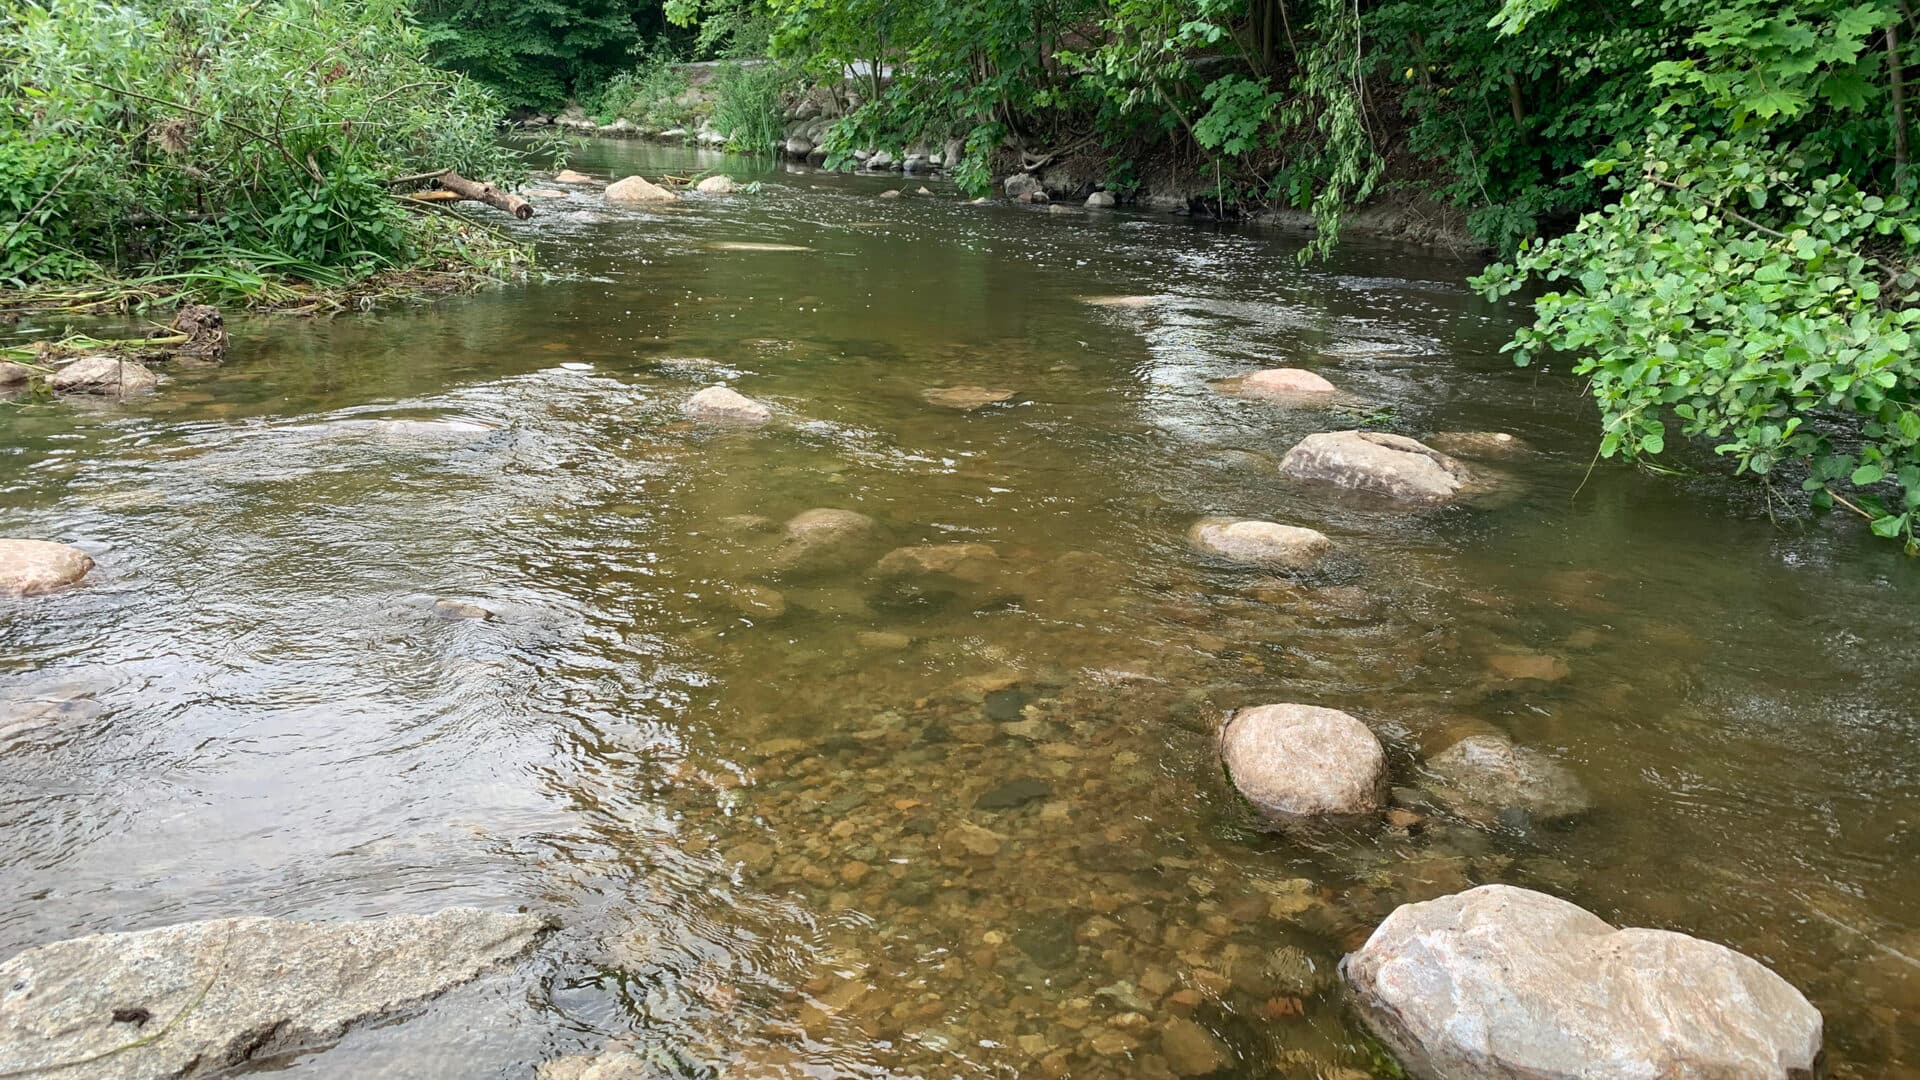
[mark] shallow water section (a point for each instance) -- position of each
(450, 605)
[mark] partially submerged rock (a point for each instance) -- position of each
(12, 374)
(568, 176)
(1100, 200)
(104, 374)
(1303, 760)
(826, 539)
(215, 996)
(724, 405)
(638, 189)
(965, 398)
(1259, 543)
(1501, 981)
(1376, 463)
(1486, 778)
(716, 185)
(37, 567)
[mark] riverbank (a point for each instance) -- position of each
(1156, 178)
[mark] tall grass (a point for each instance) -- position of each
(748, 102)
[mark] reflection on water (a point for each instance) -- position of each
(449, 604)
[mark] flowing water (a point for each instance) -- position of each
(815, 821)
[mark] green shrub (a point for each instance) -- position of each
(650, 93)
(1739, 296)
(273, 124)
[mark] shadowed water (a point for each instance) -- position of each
(820, 821)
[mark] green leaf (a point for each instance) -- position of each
(1869, 473)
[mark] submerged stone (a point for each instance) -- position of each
(1192, 1050)
(1483, 444)
(826, 539)
(965, 398)
(1501, 981)
(1014, 793)
(217, 996)
(1048, 939)
(1487, 779)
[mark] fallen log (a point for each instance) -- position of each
(462, 188)
(486, 193)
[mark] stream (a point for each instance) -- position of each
(534, 647)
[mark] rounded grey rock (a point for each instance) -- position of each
(1376, 463)
(1303, 760)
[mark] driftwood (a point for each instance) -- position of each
(455, 186)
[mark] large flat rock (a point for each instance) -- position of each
(1505, 982)
(214, 995)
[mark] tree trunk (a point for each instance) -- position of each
(486, 193)
(1897, 80)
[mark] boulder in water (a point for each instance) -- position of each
(1100, 200)
(104, 375)
(1023, 184)
(716, 185)
(724, 405)
(1486, 778)
(37, 567)
(1303, 760)
(1502, 981)
(638, 189)
(230, 992)
(1259, 543)
(568, 176)
(1376, 463)
(12, 374)
(797, 146)
(891, 193)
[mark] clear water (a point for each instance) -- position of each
(760, 827)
